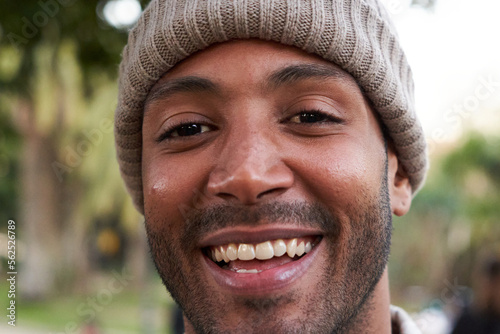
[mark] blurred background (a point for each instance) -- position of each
(81, 255)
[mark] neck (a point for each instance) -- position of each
(375, 317)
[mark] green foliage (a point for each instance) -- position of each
(9, 166)
(478, 153)
(61, 57)
(58, 70)
(453, 220)
(25, 25)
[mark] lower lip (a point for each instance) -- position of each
(265, 282)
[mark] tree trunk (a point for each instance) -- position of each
(40, 221)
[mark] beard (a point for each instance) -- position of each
(357, 250)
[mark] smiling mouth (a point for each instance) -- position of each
(247, 258)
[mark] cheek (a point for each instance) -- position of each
(171, 188)
(345, 174)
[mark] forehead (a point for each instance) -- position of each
(249, 63)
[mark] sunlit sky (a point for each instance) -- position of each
(122, 13)
(453, 50)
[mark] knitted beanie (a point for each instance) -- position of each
(357, 35)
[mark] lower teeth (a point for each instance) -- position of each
(251, 271)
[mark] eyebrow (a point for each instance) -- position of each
(287, 75)
(294, 73)
(190, 84)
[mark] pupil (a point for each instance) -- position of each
(310, 118)
(189, 130)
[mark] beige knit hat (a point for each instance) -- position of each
(357, 35)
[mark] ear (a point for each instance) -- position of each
(399, 185)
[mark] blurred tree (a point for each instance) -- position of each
(9, 162)
(59, 61)
(456, 216)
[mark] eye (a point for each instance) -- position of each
(188, 130)
(184, 130)
(313, 116)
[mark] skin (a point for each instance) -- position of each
(260, 144)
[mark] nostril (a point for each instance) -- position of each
(226, 196)
(248, 184)
(275, 191)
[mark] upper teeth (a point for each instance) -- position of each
(263, 251)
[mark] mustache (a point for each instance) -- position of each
(200, 222)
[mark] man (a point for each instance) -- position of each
(268, 144)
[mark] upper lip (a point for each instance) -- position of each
(255, 234)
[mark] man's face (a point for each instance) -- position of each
(254, 145)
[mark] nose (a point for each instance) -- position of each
(250, 169)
